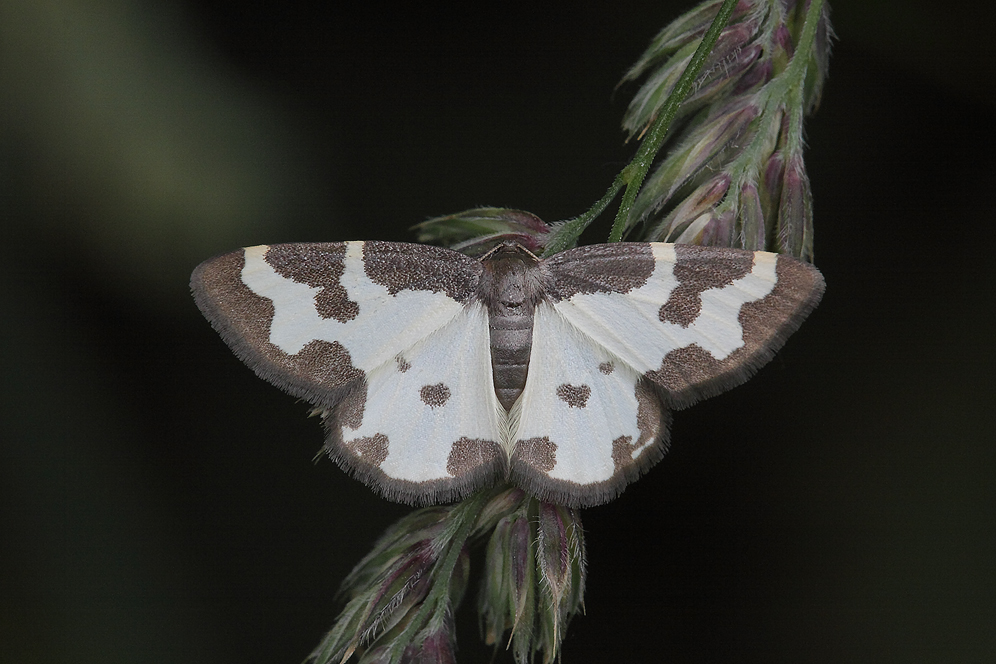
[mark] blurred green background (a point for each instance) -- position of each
(158, 503)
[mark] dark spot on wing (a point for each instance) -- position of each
(606, 368)
(470, 454)
(575, 396)
(325, 362)
(622, 452)
(349, 412)
(371, 449)
(649, 421)
(540, 453)
(434, 395)
(403, 364)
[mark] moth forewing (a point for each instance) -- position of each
(774, 296)
(702, 320)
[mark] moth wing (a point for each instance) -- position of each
(629, 329)
(586, 424)
(385, 338)
(695, 321)
(425, 428)
(313, 317)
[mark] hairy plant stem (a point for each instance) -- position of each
(635, 172)
(463, 519)
(783, 90)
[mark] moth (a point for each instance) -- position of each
(437, 374)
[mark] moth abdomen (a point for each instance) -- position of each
(511, 345)
(510, 287)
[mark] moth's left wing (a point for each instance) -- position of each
(427, 426)
(586, 424)
(312, 318)
(695, 321)
(386, 339)
(628, 330)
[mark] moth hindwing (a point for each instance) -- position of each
(438, 374)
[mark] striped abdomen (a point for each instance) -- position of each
(510, 287)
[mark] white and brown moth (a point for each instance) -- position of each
(438, 374)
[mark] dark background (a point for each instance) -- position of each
(158, 503)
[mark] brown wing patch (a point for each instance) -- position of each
(320, 266)
(692, 373)
(470, 454)
(606, 368)
(403, 364)
(243, 320)
(228, 303)
(695, 275)
(540, 453)
(600, 268)
(399, 267)
(434, 396)
(650, 415)
(371, 449)
(650, 420)
(575, 396)
(622, 452)
(349, 411)
(683, 368)
(327, 362)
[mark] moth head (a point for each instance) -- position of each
(509, 247)
(512, 279)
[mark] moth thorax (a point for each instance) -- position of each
(510, 286)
